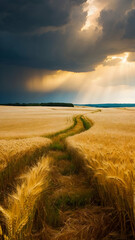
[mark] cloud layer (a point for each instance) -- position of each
(38, 36)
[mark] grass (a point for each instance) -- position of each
(52, 213)
(80, 124)
(69, 170)
(74, 200)
(56, 146)
(64, 156)
(86, 123)
(96, 111)
(63, 131)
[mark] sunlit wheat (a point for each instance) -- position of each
(108, 150)
(21, 204)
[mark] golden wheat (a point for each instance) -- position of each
(21, 122)
(21, 204)
(15, 149)
(108, 150)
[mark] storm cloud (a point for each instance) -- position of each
(47, 35)
(26, 16)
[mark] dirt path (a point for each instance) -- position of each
(73, 210)
(68, 209)
(70, 189)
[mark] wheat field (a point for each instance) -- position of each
(14, 149)
(108, 150)
(67, 173)
(22, 122)
(20, 205)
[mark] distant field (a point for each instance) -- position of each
(67, 173)
(20, 122)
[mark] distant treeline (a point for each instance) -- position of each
(50, 104)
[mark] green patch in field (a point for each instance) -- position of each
(85, 122)
(57, 146)
(52, 215)
(96, 111)
(63, 131)
(64, 156)
(68, 170)
(46, 213)
(75, 200)
(69, 134)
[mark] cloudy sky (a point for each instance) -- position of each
(80, 51)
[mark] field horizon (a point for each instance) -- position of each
(66, 104)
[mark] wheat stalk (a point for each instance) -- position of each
(21, 203)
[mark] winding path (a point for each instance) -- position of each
(70, 189)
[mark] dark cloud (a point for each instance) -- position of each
(26, 16)
(111, 22)
(46, 34)
(13, 86)
(36, 97)
(66, 48)
(13, 79)
(130, 25)
(114, 19)
(118, 27)
(49, 50)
